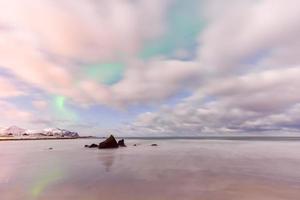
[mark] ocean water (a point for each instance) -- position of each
(174, 170)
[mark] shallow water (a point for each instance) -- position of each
(176, 169)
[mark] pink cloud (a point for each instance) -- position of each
(9, 89)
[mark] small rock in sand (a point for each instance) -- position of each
(121, 143)
(93, 146)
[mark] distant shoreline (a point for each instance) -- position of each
(42, 138)
(246, 138)
(230, 138)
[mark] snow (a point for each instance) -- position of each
(17, 131)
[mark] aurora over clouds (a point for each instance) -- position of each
(159, 67)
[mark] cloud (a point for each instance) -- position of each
(86, 29)
(27, 63)
(242, 70)
(9, 89)
(50, 45)
(11, 112)
(155, 81)
(240, 30)
(255, 102)
(280, 85)
(40, 104)
(249, 66)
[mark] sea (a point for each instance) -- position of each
(176, 169)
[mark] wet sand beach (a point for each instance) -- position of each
(175, 169)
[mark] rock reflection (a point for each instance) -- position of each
(107, 158)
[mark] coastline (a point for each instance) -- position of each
(230, 138)
(239, 138)
(42, 138)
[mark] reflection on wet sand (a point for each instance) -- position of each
(107, 158)
(176, 185)
(43, 182)
(177, 170)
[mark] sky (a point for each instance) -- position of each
(151, 68)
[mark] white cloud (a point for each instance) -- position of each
(86, 29)
(12, 113)
(240, 30)
(155, 81)
(244, 78)
(262, 101)
(9, 89)
(27, 63)
(40, 104)
(44, 39)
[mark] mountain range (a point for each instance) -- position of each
(18, 132)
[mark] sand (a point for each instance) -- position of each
(175, 170)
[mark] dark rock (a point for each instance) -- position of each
(121, 143)
(50, 148)
(93, 146)
(109, 143)
(135, 145)
(154, 145)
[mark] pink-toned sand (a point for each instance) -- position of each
(175, 170)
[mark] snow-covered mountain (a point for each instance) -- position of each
(56, 132)
(59, 132)
(13, 131)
